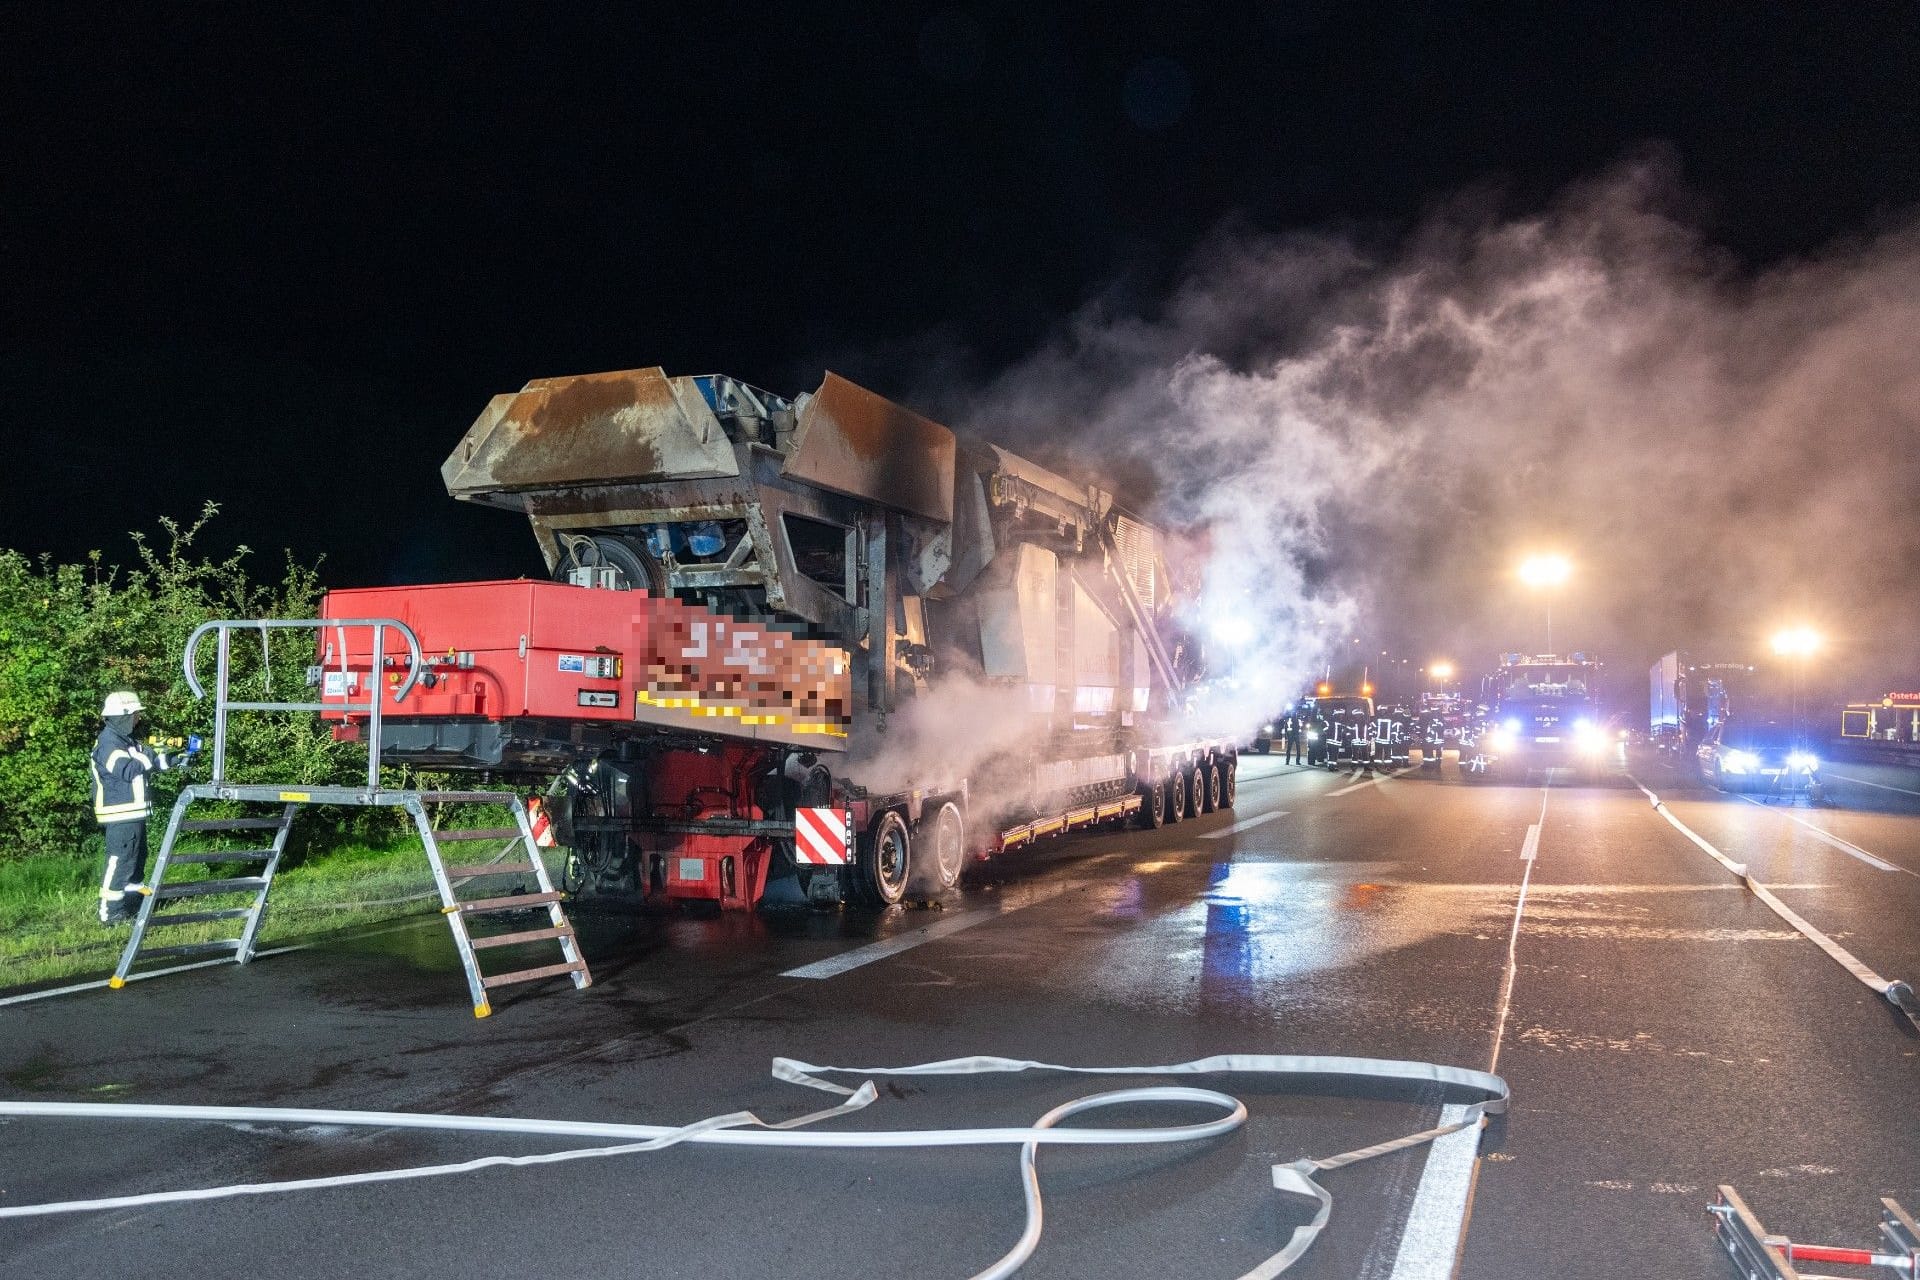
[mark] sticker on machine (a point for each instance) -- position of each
(599, 698)
(820, 836)
(573, 662)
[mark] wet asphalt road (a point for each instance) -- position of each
(1667, 1032)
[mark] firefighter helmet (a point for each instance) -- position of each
(122, 702)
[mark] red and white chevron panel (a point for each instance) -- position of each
(821, 837)
(542, 826)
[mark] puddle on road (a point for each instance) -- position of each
(427, 946)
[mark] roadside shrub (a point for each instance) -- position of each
(70, 633)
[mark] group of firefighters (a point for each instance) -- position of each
(1308, 734)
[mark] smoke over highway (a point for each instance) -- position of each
(1367, 436)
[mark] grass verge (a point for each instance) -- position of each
(50, 928)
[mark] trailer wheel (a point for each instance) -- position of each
(1176, 796)
(1153, 806)
(885, 862)
(1212, 792)
(1197, 791)
(1229, 782)
(945, 837)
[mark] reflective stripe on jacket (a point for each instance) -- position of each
(120, 768)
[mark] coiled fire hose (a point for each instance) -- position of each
(743, 1128)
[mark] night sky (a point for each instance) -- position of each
(281, 262)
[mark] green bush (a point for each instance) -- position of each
(70, 633)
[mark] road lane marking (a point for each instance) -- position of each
(1513, 936)
(99, 984)
(1245, 825)
(834, 966)
(1374, 781)
(1437, 1221)
(1898, 993)
(1431, 1238)
(1827, 837)
(1847, 777)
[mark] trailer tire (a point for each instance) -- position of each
(1213, 786)
(1229, 782)
(885, 862)
(1153, 806)
(1197, 791)
(943, 844)
(1176, 796)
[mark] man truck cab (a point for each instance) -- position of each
(1544, 713)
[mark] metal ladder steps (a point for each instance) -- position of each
(490, 869)
(222, 855)
(203, 888)
(514, 939)
(196, 917)
(226, 946)
(513, 903)
(232, 824)
(530, 975)
(477, 833)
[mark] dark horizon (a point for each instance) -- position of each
(283, 268)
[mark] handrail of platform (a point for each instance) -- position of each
(224, 628)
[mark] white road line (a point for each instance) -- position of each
(1437, 1221)
(1431, 1239)
(99, 984)
(1245, 825)
(1847, 777)
(834, 966)
(1374, 781)
(1513, 936)
(1827, 837)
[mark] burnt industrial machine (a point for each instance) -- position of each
(822, 640)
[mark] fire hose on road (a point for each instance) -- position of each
(1897, 992)
(742, 1128)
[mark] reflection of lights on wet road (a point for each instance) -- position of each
(1128, 899)
(1226, 957)
(1262, 923)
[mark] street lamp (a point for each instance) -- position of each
(1441, 672)
(1796, 642)
(1544, 573)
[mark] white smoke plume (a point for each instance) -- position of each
(963, 727)
(1366, 439)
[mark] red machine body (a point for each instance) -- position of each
(534, 677)
(516, 649)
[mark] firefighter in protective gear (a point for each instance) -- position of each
(1295, 730)
(122, 803)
